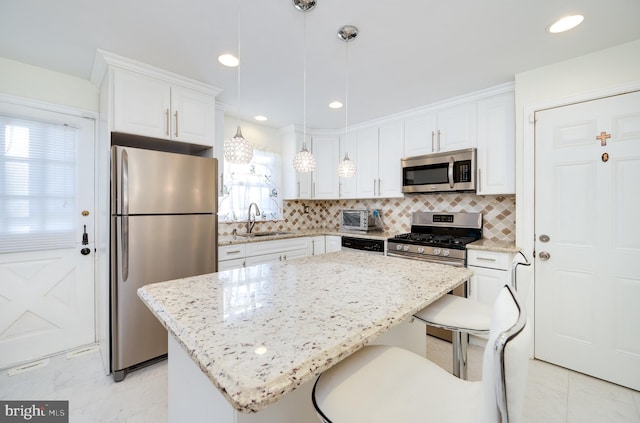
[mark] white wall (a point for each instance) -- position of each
(22, 80)
(261, 137)
(607, 72)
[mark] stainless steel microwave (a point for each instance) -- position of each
(360, 220)
(440, 172)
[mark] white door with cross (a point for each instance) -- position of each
(587, 228)
(46, 208)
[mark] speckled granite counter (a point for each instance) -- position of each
(228, 240)
(492, 245)
(259, 332)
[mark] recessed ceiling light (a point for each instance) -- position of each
(260, 118)
(566, 23)
(335, 105)
(228, 60)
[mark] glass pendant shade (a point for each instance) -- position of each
(237, 150)
(346, 168)
(304, 162)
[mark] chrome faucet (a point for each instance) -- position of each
(251, 224)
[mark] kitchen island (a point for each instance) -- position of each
(245, 345)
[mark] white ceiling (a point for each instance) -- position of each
(408, 54)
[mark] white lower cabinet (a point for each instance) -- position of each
(261, 252)
(231, 264)
(317, 245)
(491, 271)
(333, 243)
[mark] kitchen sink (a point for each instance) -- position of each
(268, 233)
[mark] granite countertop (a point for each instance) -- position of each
(493, 245)
(229, 240)
(259, 332)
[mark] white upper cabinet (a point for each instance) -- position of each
(391, 151)
(367, 163)
(326, 150)
(143, 105)
(193, 116)
(348, 188)
(295, 185)
(451, 128)
(420, 133)
(496, 145)
(379, 150)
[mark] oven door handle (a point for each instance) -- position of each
(450, 173)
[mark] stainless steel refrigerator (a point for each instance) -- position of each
(163, 226)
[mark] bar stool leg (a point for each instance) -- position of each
(459, 350)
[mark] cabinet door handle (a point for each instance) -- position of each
(176, 123)
(374, 187)
(221, 185)
(168, 120)
(439, 140)
(285, 257)
(313, 247)
(433, 134)
(298, 189)
(379, 194)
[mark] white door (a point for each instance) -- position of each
(587, 225)
(46, 200)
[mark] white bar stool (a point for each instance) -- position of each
(381, 383)
(463, 317)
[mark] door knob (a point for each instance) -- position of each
(544, 256)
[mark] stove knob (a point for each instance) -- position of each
(445, 253)
(405, 248)
(398, 247)
(421, 250)
(437, 251)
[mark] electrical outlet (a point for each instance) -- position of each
(306, 209)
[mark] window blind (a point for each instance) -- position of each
(37, 185)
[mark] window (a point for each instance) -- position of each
(37, 185)
(258, 182)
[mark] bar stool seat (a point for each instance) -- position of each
(461, 316)
(458, 313)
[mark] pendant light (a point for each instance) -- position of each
(347, 168)
(304, 162)
(237, 150)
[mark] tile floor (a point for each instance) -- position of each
(553, 394)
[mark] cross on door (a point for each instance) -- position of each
(603, 138)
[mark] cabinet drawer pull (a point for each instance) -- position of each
(486, 259)
(234, 252)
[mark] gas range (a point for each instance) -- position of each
(438, 237)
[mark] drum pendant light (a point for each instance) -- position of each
(304, 162)
(347, 168)
(237, 150)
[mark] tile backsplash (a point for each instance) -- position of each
(498, 213)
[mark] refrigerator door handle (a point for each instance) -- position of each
(124, 228)
(124, 240)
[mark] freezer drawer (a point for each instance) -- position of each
(149, 249)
